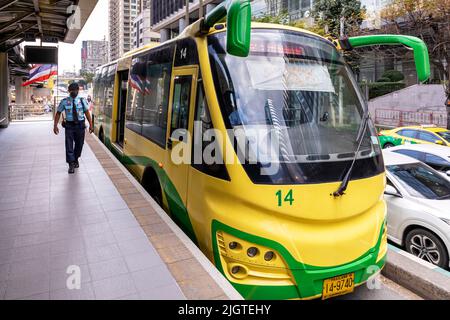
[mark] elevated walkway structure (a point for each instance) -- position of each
(28, 20)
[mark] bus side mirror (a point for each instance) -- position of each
(239, 18)
(239, 28)
(421, 57)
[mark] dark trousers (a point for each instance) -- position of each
(74, 141)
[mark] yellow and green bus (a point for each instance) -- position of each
(315, 226)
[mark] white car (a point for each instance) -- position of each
(418, 202)
(437, 157)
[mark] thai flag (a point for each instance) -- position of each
(147, 86)
(137, 83)
(41, 72)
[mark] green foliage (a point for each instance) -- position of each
(328, 13)
(393, 75)
(377, 89)
(384, 79)
(283, 19)
(87, 76)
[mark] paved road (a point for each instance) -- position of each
(389, 290)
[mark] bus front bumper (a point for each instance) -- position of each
(297, 281)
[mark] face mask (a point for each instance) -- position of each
(73, 94)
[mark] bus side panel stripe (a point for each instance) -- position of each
(176, 205)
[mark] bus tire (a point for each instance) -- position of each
(101, 136)
(151, 184)
(426, 245)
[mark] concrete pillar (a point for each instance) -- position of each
(28, 94)
(165, 34)
(20, 91)
(4, 90)
(210, 7)
(181, 24)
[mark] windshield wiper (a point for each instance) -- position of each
(363, 125)
(359, 139)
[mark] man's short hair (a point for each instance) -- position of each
(74, 86)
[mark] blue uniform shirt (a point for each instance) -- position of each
(66, 105)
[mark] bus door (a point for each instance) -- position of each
(122, 102)
(179, 141)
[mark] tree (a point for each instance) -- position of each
(327, 14)
(87, 76)
(428, 20)
(284, 19)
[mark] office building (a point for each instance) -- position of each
(168, 17)
(142, 31)
(122, 14)
(94, 53)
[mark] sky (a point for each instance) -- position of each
(96, 28)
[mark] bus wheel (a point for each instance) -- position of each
(388, 145)
(151, 184)
(427, 246)
(101, 136)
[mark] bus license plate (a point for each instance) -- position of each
(338, 286)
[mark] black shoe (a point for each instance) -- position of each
(76, 164)
(71, 168)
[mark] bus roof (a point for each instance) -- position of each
(263, 25)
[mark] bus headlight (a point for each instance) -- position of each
(269, 255)
(248, 263)
(252, 252)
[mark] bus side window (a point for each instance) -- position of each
(109, 90)
(101, 92)
(202, 123)
(156, 94)
(180, 106)
(135, 99)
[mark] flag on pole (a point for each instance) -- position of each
(41, 72)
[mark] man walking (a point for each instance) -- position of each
(76, 110)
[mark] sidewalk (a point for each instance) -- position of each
(50, 220)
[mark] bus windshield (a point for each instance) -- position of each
(298, 86)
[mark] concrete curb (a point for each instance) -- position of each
(420, 277)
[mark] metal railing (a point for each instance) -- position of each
(397, 118)
(30, 112)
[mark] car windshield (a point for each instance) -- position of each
(421, 181)
(445, 135)
(299, 87)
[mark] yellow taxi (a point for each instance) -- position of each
(428, 134)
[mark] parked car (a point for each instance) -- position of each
(437, 157)
(414, 135)
(418, 202)
(387, 141)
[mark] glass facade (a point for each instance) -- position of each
(297, 9)
(162, 9)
